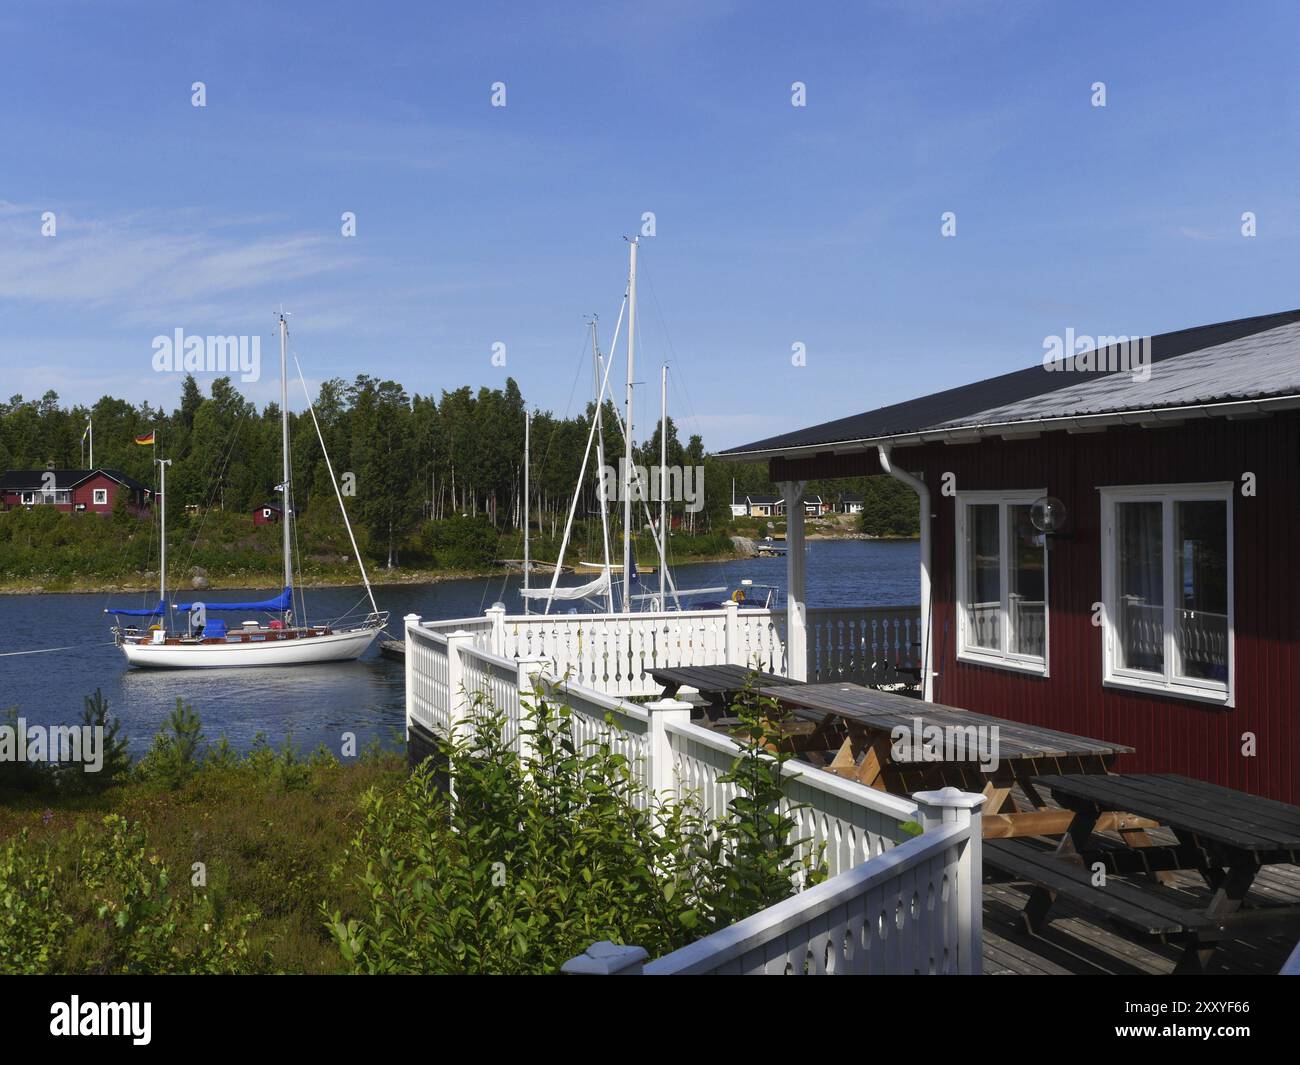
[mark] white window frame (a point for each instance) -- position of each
(1114, 676)
(101, 497)
(984, 656)
(28, 499)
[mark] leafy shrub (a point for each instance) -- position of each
(97, 901)
(527, 864)
(460, 542)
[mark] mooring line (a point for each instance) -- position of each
(48, 650)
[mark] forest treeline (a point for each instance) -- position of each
(415, 460)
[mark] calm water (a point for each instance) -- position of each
(316, 704)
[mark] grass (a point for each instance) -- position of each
(269, 840)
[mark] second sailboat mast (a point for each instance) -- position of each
(287, 501)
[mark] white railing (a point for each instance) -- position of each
(671, 757)
(862, 644)
(913, 910)
(613, 653)
(845, 822)
(428, 693)
(916, 913)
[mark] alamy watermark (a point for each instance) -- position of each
(675, 484)
(946, 743)
(21, 742)
(1101, 354)
(179, 353)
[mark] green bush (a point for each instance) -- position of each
(98, 901)
(527, 865)
(460, 543)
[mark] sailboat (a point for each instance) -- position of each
(206, 642)
(604, 592)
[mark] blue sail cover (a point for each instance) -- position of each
(135, 613)
(283, 601)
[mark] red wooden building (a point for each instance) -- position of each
(88, 491)
(268, 514)
(1161, 608)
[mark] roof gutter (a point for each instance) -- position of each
(974, 431)
(923, 493)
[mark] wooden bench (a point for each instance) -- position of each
(1137, 908)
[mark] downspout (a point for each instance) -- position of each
(918, 486)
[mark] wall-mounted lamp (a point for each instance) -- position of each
(1048, 515)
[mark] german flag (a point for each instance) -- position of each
(146, 440)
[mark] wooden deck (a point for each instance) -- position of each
(1080, 945)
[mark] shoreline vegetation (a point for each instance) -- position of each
(432, 486)
(200, 859)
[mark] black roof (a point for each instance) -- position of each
(762, 499)
(950, 405)
(32, 480)
(851, 497)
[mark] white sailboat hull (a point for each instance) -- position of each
(334, 647)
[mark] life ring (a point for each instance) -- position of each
(738, 596)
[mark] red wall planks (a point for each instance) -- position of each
(1170, 735)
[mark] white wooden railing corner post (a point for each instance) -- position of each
(607, 959)
(733, 654)
(661, 773)
(411, 621)
(950, 806)
(458, 700)
(796, 567)
(529, 683)
(496, 613)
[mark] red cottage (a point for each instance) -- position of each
(267, 514)
(1108, 548)
(93, 491)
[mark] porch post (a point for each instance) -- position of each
(528, 679)
(950, 806)
(796, 609)
(458, 704)
(496, 613)
(409, 622)
(661, 774)
(731, 653)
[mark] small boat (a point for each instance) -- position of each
(206, 643)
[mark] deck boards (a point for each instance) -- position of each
(1075, 943)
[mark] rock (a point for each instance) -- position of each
(199, 583)
(744, 546)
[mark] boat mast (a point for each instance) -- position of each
(287, 514)
(627, 435)
(599, 365)
(528, 423)
(663, 477)
(162, 536)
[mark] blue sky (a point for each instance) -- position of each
(775, 224)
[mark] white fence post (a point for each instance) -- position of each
(950, 806)
(660, 774)
(496, 613)
(530, 670)
(457, 701)
(411, 621)
(607, 959)
(733, 654)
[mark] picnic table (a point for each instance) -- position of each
(1226, 836)
(719, 685)
(859, 725)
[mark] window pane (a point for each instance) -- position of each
(1141, 606)
(1027, 623)
(1201, 574)
(983, 576)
